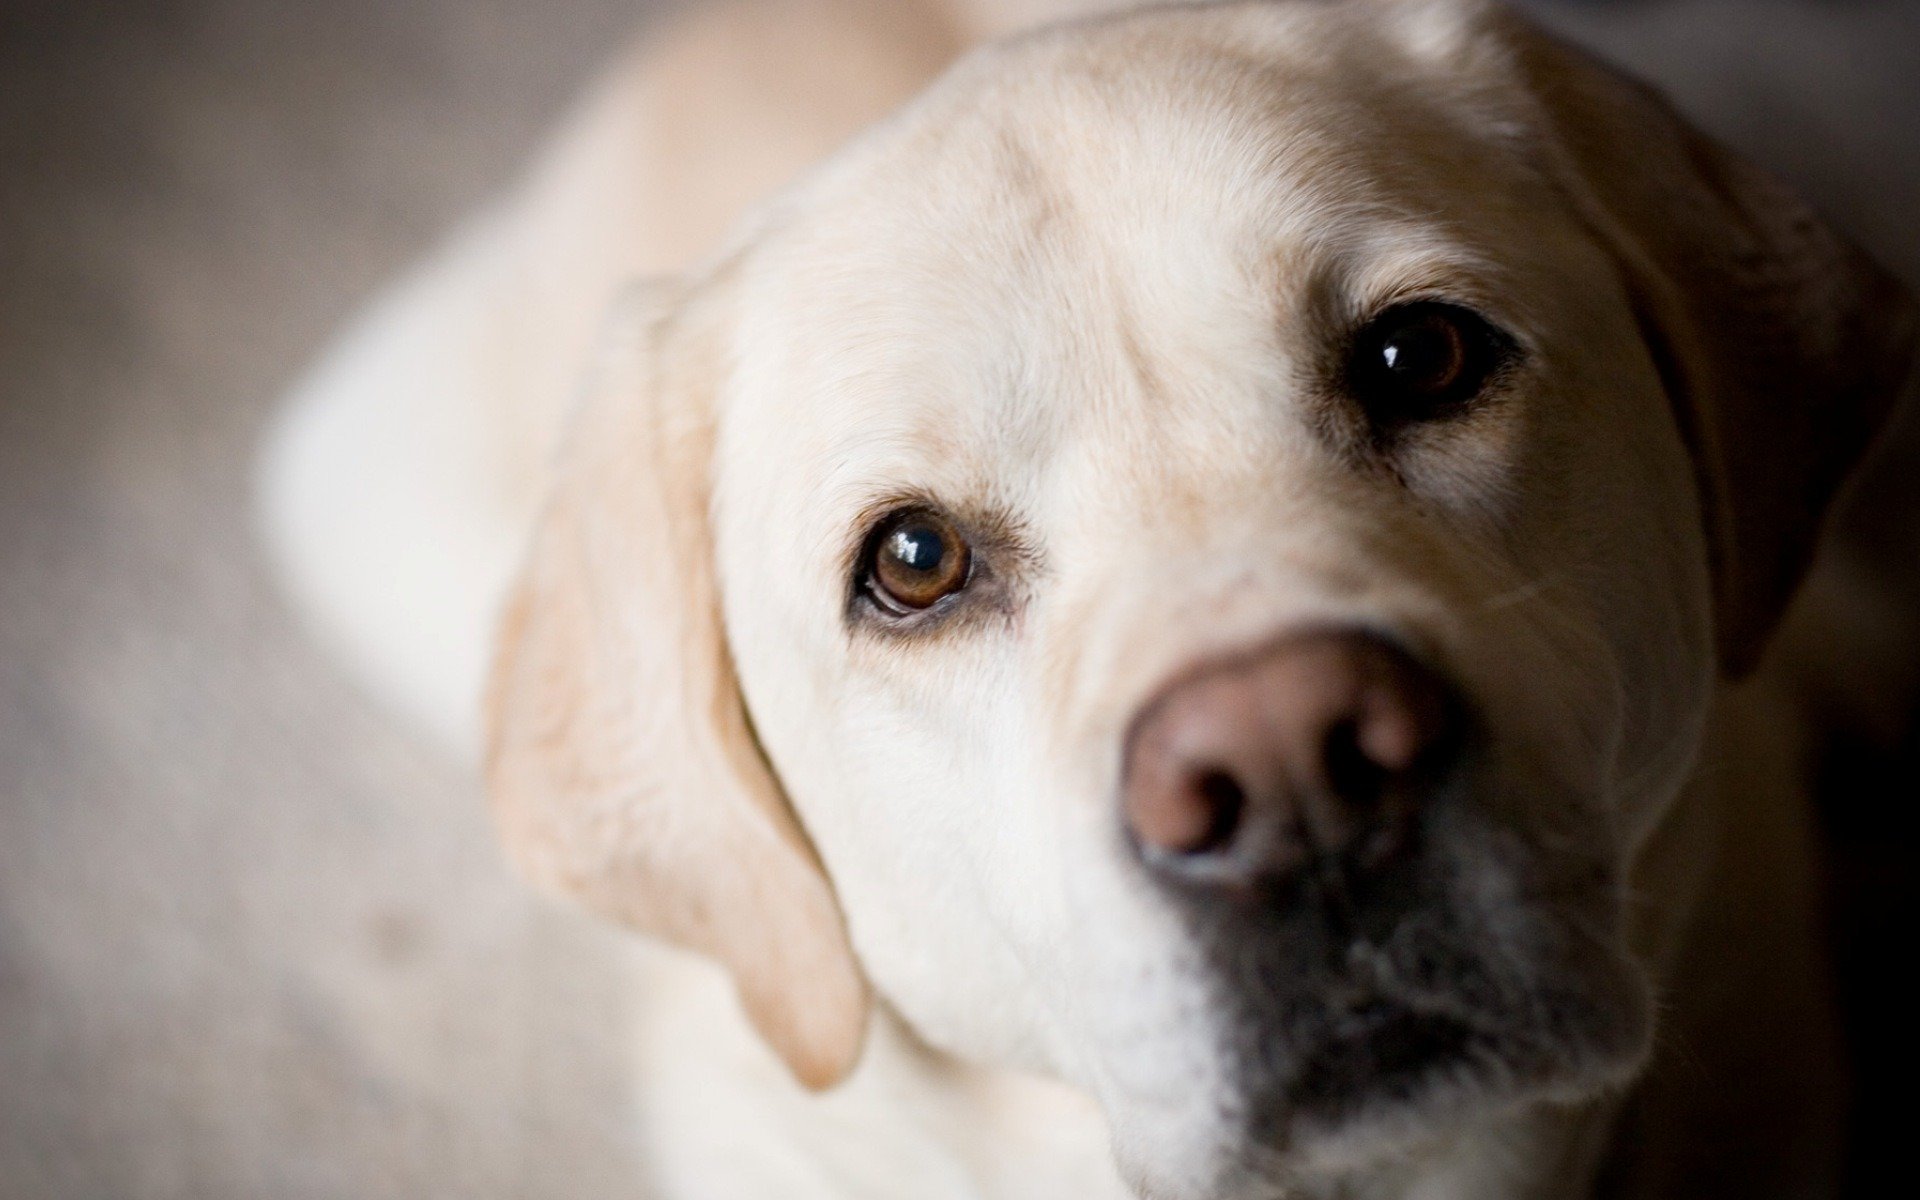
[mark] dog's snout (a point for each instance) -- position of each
(1318, 749)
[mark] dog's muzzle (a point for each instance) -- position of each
(1376, 934)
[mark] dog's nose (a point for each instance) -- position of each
(1319, 748)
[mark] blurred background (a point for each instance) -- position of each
(255, 939)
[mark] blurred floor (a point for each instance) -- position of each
(253, 940)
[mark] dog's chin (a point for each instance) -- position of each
(1352, 1096)
(1394, 1080)
(1340, 1074)
(1372, 1083)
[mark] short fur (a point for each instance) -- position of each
(1084, 293)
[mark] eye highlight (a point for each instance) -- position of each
(1419, 361)
(915, 559)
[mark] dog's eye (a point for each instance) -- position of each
(1421, 360)
(914, 560)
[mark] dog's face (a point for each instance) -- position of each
(1205, 545)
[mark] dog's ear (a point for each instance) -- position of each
(1784, 348)
(622, 765)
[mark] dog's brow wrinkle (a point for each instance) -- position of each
(1020, 167)
(1145, 374)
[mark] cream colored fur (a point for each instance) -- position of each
(1075, 281)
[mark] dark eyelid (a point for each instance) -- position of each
(952, 573)
(1003, 562)
(866, 523)
(1483, 335)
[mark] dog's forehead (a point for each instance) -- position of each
(1107, 222)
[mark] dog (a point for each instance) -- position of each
(1183, 617)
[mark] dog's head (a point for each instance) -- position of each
(1191, 560)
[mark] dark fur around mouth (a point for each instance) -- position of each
(1475, 976)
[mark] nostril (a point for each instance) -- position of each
(1186, 812)
(1352, 773)
(1224, 802)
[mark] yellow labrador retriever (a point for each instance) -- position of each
(1172, 617)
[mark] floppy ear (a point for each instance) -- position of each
(1784, 348)
(622, 766)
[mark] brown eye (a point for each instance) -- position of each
(915, 560)
(1419, 361)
